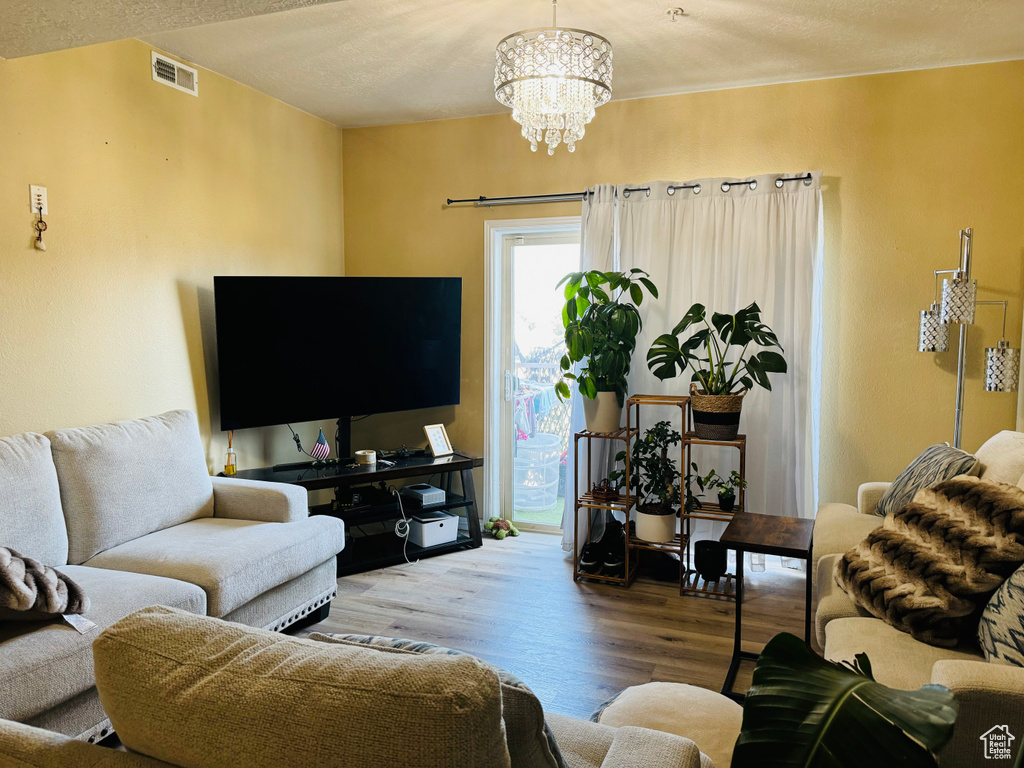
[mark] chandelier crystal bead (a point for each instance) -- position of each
(553, 79)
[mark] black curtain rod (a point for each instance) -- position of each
(568, 197)
(558, 197)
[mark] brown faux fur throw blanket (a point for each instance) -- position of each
(931, 567)
(30, 591)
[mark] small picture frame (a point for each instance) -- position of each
(437, 440)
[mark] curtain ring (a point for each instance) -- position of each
(648, 192)
(671, 190)
(808, 180)
(625, 193)
(753, 184)
(779, 183)
(725, 186)
(696, 189)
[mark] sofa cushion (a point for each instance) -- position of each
(669, 707)
(123, 480)
(531, 744)
(22, 746)
(232, 560)
(46, 663)
(584, 744)
(206, 693)
(832, 601)
(936, 463)
(31, 517)
(1002, 457)
(1001, 629)
(897, 659)
(837, 528)
(635, 747)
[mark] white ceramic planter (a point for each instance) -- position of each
(603, 413)
(658, 528)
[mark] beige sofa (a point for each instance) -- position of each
(130, 512)
(188, 690)
(988, 694)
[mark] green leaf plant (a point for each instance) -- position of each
(601, 322)
(727, 486)
(805, 712)
(706, 351)
(654, 476)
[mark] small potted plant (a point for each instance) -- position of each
(654, 478)
(717, 384)
(727, 487)
(601, 322)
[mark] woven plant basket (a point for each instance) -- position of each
(715, 417)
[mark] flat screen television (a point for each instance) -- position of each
(292, 349)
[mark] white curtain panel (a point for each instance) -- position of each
(598, 250)
(726, 249)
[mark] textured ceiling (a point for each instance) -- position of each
(39, 26)
(368, 62)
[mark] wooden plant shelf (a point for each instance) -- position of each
(588, 503)
(673, 547)
(692, 583)
(620, 504)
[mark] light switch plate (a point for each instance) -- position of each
(37, 197)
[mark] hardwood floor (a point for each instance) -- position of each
(514, 604)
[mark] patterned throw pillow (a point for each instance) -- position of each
(935, 464)
(1001, 629)
(531, 744)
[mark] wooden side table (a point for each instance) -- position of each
(766, 535)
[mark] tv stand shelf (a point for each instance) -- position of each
(370, 538)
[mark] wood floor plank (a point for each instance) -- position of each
(514, 604)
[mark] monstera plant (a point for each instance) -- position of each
(601, 320)
(718, 383)
(805, 712)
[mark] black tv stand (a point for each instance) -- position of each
(309, 464)
(364, 553)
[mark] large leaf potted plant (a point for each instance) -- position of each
(718, 384)
(805, 712)
(654, 479)
(601, 322)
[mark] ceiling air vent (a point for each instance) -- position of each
(170, 72)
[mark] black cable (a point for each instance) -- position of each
(298, 442)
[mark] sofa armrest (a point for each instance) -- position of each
(868, 496)
(257, 500)
(28, 746)
(988, 695)
(635, 747)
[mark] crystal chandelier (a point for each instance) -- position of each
(553, 79)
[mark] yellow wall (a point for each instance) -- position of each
(151, 193)
(908, 159)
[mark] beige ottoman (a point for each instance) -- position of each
(709, 719)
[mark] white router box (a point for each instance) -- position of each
(425, 495)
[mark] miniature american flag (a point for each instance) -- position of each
(321, 450)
